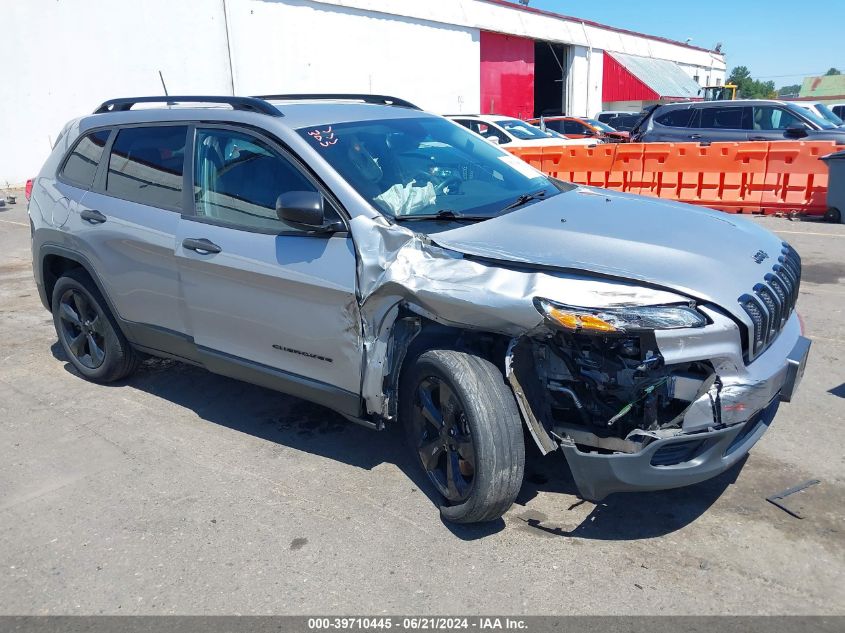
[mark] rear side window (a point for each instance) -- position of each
(728, 118)
(81, 163)
(675, 118)
(146, 165)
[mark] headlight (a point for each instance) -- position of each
(620, 320)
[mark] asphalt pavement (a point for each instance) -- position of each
(181, 492)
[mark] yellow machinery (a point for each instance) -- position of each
(719, 93)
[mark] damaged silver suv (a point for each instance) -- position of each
(391, 265)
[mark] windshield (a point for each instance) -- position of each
(522, 130)
(423, 166)
(828, 114)
(604, 127)
(809, 114)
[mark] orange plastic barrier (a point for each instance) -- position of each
(626, 173)
(531, 155)
(579, 163)
(752, 177)
(795, 177)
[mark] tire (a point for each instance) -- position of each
(87, 331)
(478, 442)
(833, 215)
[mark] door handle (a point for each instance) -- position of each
(201, 245)
(92, 217)
(695, 136)
(757, 138)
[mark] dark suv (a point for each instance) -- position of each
(746, 120)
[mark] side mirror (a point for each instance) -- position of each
(304, 209)
(493, 139)
(797, 130)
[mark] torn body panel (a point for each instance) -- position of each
(637, 411)
(398, 268)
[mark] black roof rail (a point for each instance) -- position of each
(346, 96)
(247, 104)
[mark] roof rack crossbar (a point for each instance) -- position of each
(351, 96)
(247, 104)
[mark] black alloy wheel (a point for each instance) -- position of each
(82, 329)
(444, 441)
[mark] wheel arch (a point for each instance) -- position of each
(56, 260)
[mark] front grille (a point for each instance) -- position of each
(771, 302)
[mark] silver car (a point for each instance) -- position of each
(387, 263)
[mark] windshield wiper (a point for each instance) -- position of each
(443, 214)
(524, 199)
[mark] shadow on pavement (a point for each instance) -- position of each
(308, 427)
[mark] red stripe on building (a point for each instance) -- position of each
(619, 84)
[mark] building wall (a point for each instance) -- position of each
(64, 57)
(304, 46)
(584, 81)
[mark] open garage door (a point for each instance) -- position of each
(550, 64)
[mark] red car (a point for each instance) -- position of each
(579, 127)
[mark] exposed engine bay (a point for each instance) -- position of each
(612, 393)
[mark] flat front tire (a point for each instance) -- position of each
(462, 424)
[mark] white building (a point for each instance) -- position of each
(64, 57)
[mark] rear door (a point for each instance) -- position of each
(265, 296)
(722, 123)
(127, 227)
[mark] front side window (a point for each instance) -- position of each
(421, 166)
(772, 118)
(146, 163)
(81, 165)
(238, 178)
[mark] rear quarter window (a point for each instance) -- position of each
(146, 165)
(82, 162)
(675, 118)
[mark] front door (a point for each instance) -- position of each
(262, 294)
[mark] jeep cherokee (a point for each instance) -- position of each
(387, 263)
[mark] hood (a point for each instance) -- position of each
(704, 254)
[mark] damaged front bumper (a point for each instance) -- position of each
(699, 452)
(667, 463)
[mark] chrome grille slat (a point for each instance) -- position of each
(772, 302)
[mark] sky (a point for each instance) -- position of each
(774, 38)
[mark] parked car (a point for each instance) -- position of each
(512, 132)
(621, 121)
(357, 252)
(577, 127)
(821, 110)
(741, 120)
